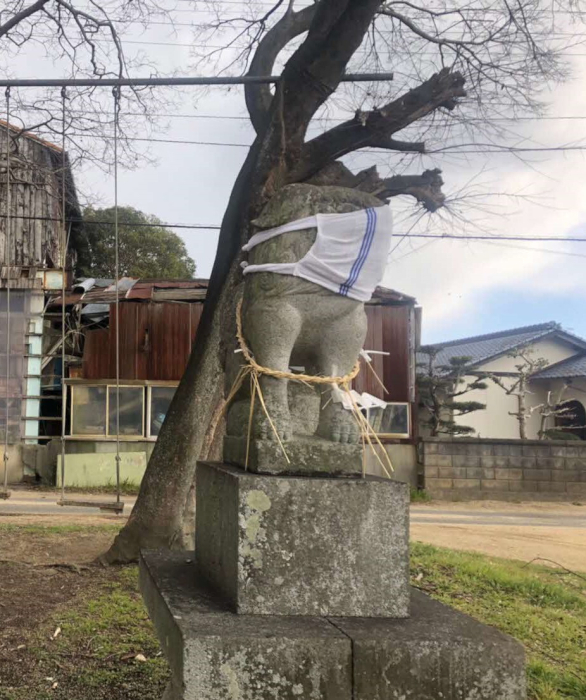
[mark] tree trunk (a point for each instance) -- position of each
(157, 517)
(522, 412)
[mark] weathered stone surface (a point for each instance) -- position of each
(303, 546)
(437, 653)
(307, 455)
(290, 321)
(215, 654)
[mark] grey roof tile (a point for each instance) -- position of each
(566, 369)
(481, 348)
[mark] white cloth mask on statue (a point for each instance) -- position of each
(349, 254)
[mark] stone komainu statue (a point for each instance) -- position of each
(320, 325)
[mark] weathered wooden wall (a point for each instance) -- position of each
(156, 339)
(35, 192)
(155, 342)
(389, 330)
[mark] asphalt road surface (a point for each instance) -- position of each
(523, 518)
(554, 532)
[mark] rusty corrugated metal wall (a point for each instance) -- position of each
(155, 342)
(389, 330)
(156, 339)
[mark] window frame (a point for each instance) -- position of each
(146, 385)
(149, 388)
(69, 398)
(122, 437)
(397, 436)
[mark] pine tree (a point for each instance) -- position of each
(440, 388)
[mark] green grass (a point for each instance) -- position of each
(57, 529)
(104, 628)
(127, 488)
(420, 496)
(543, 608)
(93, 657)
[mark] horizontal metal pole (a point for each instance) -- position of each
(168, 82)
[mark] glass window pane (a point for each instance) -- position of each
(14, 415)
(160, 400)
(395, 419)
(14, 363)
(131, 410)
(88, 405)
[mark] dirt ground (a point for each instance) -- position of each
(35, 567)
(82, 546)
(530, 530)
(70, 629)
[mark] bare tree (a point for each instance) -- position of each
(554, 407)
(519, 386)
(84, 40)
(505, 52)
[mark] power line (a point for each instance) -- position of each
(534, 250)
(216, 227)
(440, 35)
(243, 46)
(449, 122)
(85, 222)
(486, 148)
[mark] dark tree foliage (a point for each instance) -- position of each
(144, 251)
(440, 388)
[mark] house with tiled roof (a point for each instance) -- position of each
(564, 376)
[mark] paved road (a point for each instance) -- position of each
(29, 502)
(524, 531)
(438, 516)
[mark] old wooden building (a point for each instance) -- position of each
(158, 325)
(35, 179)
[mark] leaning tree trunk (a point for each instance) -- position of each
(157, 517)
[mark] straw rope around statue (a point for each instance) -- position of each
(253, 370)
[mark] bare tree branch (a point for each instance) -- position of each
(426, 188)
(19, 17)
(375, 128)
(259, 97)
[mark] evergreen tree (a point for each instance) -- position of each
(146, 248)
(440, 388)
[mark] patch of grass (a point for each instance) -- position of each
(94, 655)
(127, 488)
(420, 496)
(541, 607)
(57, 529)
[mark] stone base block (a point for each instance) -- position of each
(215, 654)
(437, 653)
(275, 545)
(307, 456)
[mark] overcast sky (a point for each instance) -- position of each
(465, 288)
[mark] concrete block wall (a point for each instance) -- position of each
(486, 468)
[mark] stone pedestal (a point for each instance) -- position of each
(307, 456)
(299, 589)
(303, 545)
(216, 654)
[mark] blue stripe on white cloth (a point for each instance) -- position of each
(371, 221)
